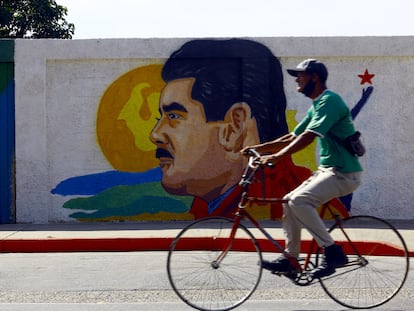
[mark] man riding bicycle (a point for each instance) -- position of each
(339, 171)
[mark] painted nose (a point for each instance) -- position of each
(156, 136)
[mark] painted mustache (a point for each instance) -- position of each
(162, 153)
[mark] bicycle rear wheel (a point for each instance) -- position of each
(200, 279)
(378, 263)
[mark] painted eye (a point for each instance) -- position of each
(173, 116)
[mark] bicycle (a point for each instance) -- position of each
(214, 262)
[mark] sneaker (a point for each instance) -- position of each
(334, 257)
(280, 265)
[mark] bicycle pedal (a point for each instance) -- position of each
(290, 274)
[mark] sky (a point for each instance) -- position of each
(95, 19)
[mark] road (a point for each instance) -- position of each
(126, 281)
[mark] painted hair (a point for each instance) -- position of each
(231, 71)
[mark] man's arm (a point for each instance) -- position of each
(272, 146)
(296, 144)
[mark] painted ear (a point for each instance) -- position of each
(232, 131)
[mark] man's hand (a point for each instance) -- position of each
(251, 151)
(245, 150)
(271, 159)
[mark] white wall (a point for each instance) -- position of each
(59, 84)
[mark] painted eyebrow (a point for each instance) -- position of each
(174, 107)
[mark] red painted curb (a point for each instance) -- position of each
(157, 244)
(85, 245)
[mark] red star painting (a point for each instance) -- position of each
(366, 77)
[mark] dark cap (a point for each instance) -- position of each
(310, 66)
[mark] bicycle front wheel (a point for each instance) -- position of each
(210, 271)
(378, 263)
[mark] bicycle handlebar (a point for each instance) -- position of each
(253, 152)
(254, 156)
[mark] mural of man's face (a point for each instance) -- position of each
(191, 157)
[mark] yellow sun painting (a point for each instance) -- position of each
(126, 115)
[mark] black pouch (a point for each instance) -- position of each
(354, 144)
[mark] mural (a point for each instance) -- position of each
(173, 133)
(132, 191)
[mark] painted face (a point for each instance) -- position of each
(191, 157)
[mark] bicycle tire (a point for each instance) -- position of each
(193, 275)
(376, 277)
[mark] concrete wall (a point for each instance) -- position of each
(62, 87)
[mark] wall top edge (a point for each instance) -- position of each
(162, 47)
(220, 37)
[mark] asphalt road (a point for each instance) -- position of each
(127, 281)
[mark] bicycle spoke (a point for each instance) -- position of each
(201, 284)
(373, 278)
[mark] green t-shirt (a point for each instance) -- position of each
(329, 114)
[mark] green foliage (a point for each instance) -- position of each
(34, 19)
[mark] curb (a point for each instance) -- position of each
(85, 245)
(147, 244)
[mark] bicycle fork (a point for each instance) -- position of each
(229, 243)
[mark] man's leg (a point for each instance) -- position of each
(309, 218)
(292, 229)
(301, 211)
(292, 226)
(324, 185)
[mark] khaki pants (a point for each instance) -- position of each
(324, 185)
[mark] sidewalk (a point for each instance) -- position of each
(140, 236)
